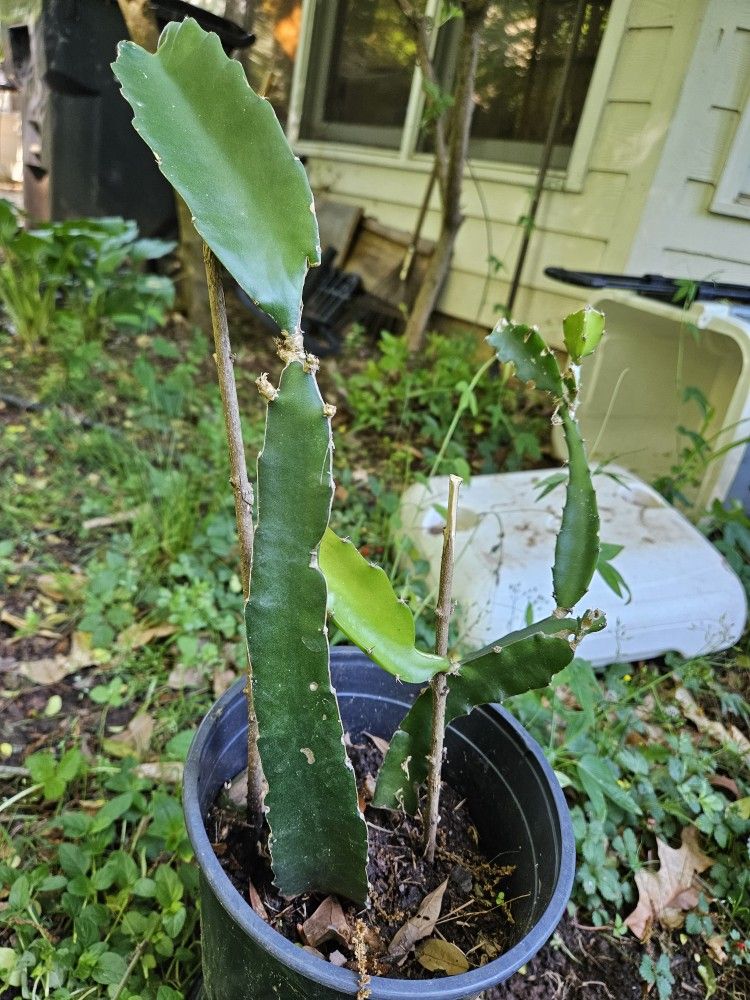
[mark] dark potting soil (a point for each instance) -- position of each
(474, 917)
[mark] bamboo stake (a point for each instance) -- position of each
(439, 682)
(243, 504)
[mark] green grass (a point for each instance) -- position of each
(97, 892)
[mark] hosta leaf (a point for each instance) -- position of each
(224, 151)
(318, 837)
(366, 609)
(522, 665)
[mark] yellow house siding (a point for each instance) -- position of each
(590, 229)
(679, 233)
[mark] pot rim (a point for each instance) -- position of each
(329, 976)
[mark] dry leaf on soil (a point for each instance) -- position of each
(184, 677)
(327, 922)
(442, 956)
(18, 623)
(716, 944)
(168, 771)
(52, 669)
(666, 894)
(721, 734)
(378, 741)
(728, 784)
(421, 925)
(134, 740)
(256, 902)
(135, 636)
(222, 680)
(60, 586)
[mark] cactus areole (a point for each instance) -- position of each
(225, 153)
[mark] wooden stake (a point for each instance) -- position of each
(243, 504)
(439, 682)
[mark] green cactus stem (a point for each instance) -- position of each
(318, 836)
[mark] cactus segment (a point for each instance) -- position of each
(582, 332)
(577, 546)
(521, 666)
(318, 836)
(525, 348)
(562, 628)
(364, 606)
(222, 148)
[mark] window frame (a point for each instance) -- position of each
(571, 178)
(726, 199)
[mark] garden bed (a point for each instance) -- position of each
(117, 542)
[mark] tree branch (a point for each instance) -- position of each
(418, 23)
(457, 128)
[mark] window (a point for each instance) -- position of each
(270, 61)
(362, 60)
(360, 73)
(520, 71)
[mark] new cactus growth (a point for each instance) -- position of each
(224, 151)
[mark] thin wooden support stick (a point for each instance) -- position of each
(439, 682)
(243, 504)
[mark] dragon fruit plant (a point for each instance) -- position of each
(222, 148)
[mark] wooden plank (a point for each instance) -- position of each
(377, 259)
(338, 223)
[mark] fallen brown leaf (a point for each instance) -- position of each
(314, 951)
(718, 732)
(168, 771)
(442, 956)
(256, 902)
(421, 925)
(134, 740)
(716, 948)
(18, 623)
(378, 741)
(665, 895)
(728, 784)
(60, 586)
(237, 791)
(222, 680)
(51, 669)
(135, 636)
(184, 677)
(327, 922)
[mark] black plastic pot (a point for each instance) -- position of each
(515, 801)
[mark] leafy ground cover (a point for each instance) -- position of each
(120, 621)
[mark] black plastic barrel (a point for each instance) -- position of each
(514, 799)
(81, 154)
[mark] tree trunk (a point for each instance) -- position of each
(140, 22)
(459, 127)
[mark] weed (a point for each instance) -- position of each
(71, 282)
(98, 899)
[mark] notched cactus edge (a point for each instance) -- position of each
(318, 836)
